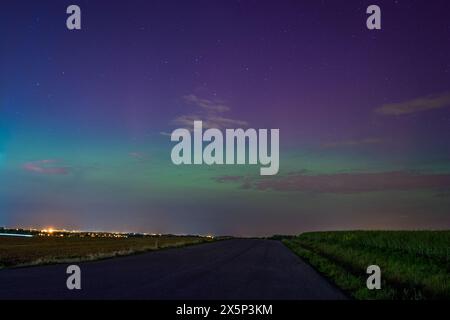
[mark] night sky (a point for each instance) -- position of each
(364, 116)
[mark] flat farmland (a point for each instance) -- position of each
(16, 252)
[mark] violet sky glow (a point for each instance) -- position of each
(364, 116)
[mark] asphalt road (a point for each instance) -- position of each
(231, 269)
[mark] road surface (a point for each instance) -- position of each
(230, 269)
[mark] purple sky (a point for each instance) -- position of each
(363, 115)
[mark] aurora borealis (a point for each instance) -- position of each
(364, 115)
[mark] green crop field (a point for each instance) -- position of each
(414, 264)
(45, 250)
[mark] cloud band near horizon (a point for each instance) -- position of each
(344, 183)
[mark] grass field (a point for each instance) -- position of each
(46, 250)
(414, 264)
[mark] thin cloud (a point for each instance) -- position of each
(47, 167)
(208, 105)
(229, 178)
(415, 105)
(345, 183)
(187, 121)
(210, 112)
(351, 143)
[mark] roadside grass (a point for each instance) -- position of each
(20, 252)
(414, 264)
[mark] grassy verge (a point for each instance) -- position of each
(17, 252)
(414, 264)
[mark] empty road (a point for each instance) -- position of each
(231, 269)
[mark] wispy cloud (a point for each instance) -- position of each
(351, 143)
(209, 121)
(415, 105)
(208, 105)
(47, 167)
(210, 112)
(345, 183)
